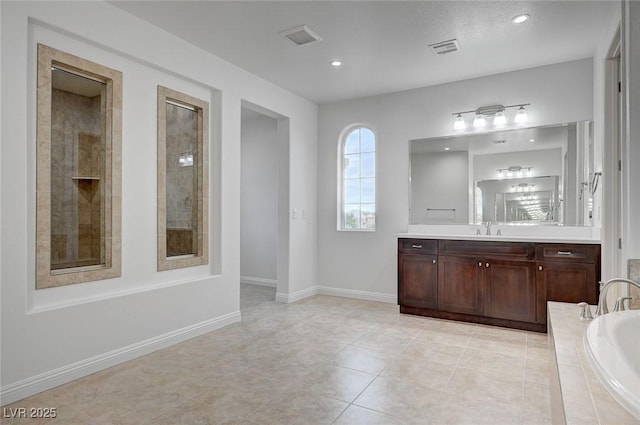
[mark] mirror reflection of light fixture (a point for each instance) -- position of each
(523, 187)
(495, 111)
(515, 171)
(185, 159)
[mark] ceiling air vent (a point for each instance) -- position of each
(301, 35)
(499, 142)
(444, 47)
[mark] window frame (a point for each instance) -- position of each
(201, 168)
(344, 136)
(110, 265)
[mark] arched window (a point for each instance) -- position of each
(357, 203)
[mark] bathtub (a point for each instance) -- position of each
(612, 344)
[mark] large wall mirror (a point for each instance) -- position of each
(78, 170)
(537, 175)
(182, 180)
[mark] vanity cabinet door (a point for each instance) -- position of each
(460, 288)
(510, 290)
(565, 282)
(418, 281)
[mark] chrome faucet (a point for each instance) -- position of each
(488, 227)
(602, 301)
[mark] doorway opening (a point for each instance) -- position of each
(264, 205)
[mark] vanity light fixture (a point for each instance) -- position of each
(515, 171)
(458, 123)
(497, 112)
(499, 119)
(521, 116)
(479, 121)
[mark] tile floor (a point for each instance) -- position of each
(322, 360)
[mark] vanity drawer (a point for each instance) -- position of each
(572, 253)
(488, 249)
(418, 246)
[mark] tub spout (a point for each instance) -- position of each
(602, 302)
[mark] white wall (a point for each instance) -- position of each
(605, 197)
(258, 198)
(54, 335)
(631, 155)
(366, 262)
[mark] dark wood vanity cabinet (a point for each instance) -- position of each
(510, 290)
(498, 283)
(418, 269)
(567, 273)
(460, 288)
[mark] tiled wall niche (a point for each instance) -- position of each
(78, 170)
(183, 180)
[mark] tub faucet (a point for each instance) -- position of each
(602, 301)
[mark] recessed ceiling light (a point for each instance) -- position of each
(518, 19)
(532, 140)
(336, 63)
(447, 149)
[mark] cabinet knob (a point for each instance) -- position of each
(433, 261)
(479, 263)
(486, 265)
(540, 268)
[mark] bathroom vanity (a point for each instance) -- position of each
(495, 282)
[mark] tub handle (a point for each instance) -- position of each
(585, 313)
(620, 303)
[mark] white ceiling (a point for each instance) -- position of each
(383, 45)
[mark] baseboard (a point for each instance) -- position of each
(360, 295)
(296, 296)
(259, 281)
(47, 380)
(337, 292)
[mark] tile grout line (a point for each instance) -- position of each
(455, 367)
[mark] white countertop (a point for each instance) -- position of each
(506, 238)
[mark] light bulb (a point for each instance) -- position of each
(529, 172)
(521, 116)
(499, 119)
(520, 18)
(459, 123)
(500, 174)
(479, 121)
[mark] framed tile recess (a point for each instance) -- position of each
(183, 180)
(78, 170)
